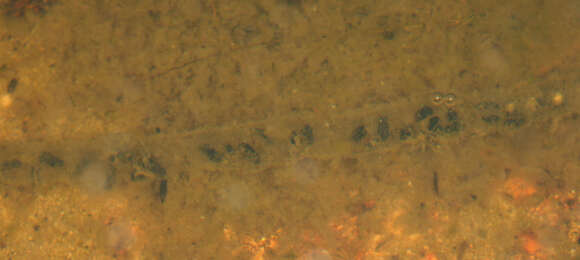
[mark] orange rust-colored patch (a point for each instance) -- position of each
(370, 204)
(430, 256)
(255, 247)
(519, 188)
(346, 227)
(529, 242)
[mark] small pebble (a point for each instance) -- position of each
(450, 99)
(557, 99)
(437, 98)
(510, 108)
(6, 100)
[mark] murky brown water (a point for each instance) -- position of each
(290, 129)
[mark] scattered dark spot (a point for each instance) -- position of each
(452, 115)
(436, 183)
(110, 179)
(388, 35)
(423, 113)
(154, 15)
(249, 153)
(359, 133)
(51, 160)
(570, 203)
(349, 163)
(360, 207)
(162, 190)
(434, 124)
(325, 63)
(488, 106)
(381, 244)
(308, 134)
(36, 227)
(296, 3)
(20, 7)
(383, 128)
(514, 120)
(454, 127)
(490, 119)
(12, 86)
(404, 134)
(294, 139)
(473, 196)
(154, 166)
(125, 156)
(11, 164)
(507, 172)
(302, 136)
(229, 148)
(211, 153)
(362, 11)
(262, 133)
(157, 130)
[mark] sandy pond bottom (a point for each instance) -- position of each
(310, 130)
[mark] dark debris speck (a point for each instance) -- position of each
(423, 113)
(434, 124)
(211, 153)
(404, 134)
(11, 164)
(388, 35)
(12, 86)
(383, 128)
(490, 119)
(249, 153)
(304, 136)
(452, 115)
(515, 120)
(51, 159)
(359, 133)
(162, 190)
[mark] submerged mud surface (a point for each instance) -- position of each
(289, 130)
